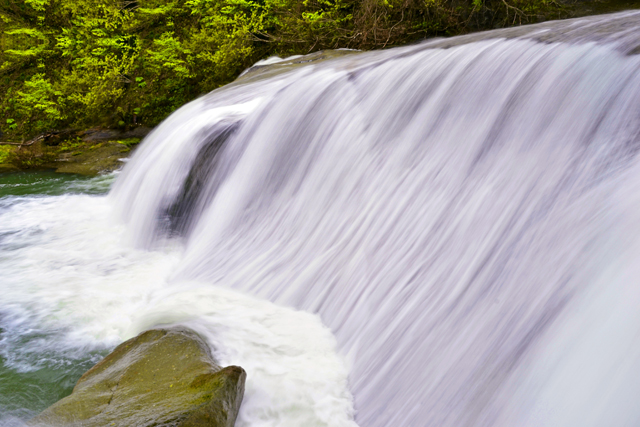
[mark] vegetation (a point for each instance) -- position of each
(5, 153)
(123, 63)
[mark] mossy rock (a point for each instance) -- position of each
(93, 159)
(162, 377)
(6, 167)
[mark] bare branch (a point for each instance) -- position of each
(28, 143)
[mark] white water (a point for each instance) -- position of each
(464, 220)
(71, 285)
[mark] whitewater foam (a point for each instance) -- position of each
(73, 289)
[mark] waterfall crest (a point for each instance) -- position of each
(462, 214)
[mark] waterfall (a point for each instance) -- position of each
(462, 214)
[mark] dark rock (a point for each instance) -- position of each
(94, 135)
(55, 138)
(98, 134)
(162, 377)
(139, 132)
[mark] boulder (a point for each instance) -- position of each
(162, 377)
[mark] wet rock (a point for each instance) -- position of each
(162, 377)
(266, 69)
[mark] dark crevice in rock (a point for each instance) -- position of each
(203, 172)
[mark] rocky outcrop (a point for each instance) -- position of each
(162, 377)
(89, 152)
(92, 151)
(91, 159)
(5, 167)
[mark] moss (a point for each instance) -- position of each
(89, 152)
(35, 156)
(7, 167)
(5, 153)
(130, 142)
(90, 158)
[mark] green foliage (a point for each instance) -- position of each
(38, 5)
(27, 42)
(38, 104)
(124, 63)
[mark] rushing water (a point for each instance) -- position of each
(458, 222)
(72, 289)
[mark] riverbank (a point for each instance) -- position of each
(89, 152)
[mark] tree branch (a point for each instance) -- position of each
(28, 143)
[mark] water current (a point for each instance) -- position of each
(444, 234)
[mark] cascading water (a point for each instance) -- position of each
(463, 215)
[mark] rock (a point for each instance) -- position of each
(162, 377)
(138, 132)
(93, 159)
(6, 167)
(262, 70)
(99, 134)
(55, 138)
